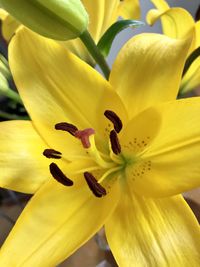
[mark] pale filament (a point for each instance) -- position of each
(107, 173)
(96, 156)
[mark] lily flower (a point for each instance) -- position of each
(102, 14)
(177, 23)
(96, 153)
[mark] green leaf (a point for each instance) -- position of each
(107, 39)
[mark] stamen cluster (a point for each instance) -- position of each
(85, 137)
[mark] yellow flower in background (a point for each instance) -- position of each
(102, 14)
(97, 153)
(177, 23)
(9, 25)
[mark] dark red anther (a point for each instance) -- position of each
(115, 145)
(52, 154)
(68, 127)
(59, 176)
(84, 136)
(97, 189)
(112, 116)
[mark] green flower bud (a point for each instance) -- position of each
(56, 19)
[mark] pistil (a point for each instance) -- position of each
(84, 136)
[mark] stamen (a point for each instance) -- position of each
(84, 136)
(52, 154)
(68, 127)
(115, 145)
(59, 176)
(110, 171)
(97, 189)
(112, 116)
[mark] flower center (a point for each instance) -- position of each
(107, 164)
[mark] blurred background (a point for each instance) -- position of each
(190, 5)
(95, 252)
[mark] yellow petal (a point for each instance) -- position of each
(57, 221)
(102, 14)
(129, 9)
(110, 14)
(3, 14)
(162, 5)
(23, 168)
(148, 70)
(95, 9)
(139, 133)
(9, 26)
(154, 233)
(78, 48)
(176, 22)
(197, 27)
(58, 87)
(172, 159)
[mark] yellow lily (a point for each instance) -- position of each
(177, 23)
(102, 14)
(9, 25)
(97, 153)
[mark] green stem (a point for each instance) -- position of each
(12, 95)
(96, 54)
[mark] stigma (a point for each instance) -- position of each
(84, 136)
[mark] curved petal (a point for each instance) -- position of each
(9, 26)
(147, 232)
(172, 159)
(3, 14)
(58, 87)
(162, 5)
(56, 222)
(148, 70)
(176, 22)
(23, 168)
(129, 9)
